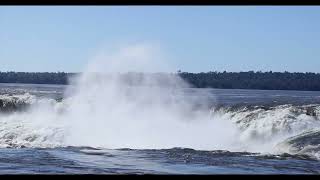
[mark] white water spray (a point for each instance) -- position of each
(109, 108)
(108, 112)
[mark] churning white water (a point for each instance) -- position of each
(108, 112)
(104, 108)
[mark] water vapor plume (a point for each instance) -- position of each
(118, 104)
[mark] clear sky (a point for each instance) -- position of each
(198, 39)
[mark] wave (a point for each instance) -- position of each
(307, 143)
(264, 127)
(30, 121)
(10, 102)
(21, 102)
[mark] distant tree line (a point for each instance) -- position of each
(224, 80)
(35, 77)
(254, 80)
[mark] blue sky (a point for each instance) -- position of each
(197, 39)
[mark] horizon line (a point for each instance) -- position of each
(178, 71)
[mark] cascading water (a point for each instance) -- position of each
(104, 108)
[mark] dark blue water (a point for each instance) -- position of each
(81, 160)
(89, 160)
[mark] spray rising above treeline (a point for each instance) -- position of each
(224, 80)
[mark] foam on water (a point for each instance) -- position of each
(104, 109)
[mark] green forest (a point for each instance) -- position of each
(224, 80)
